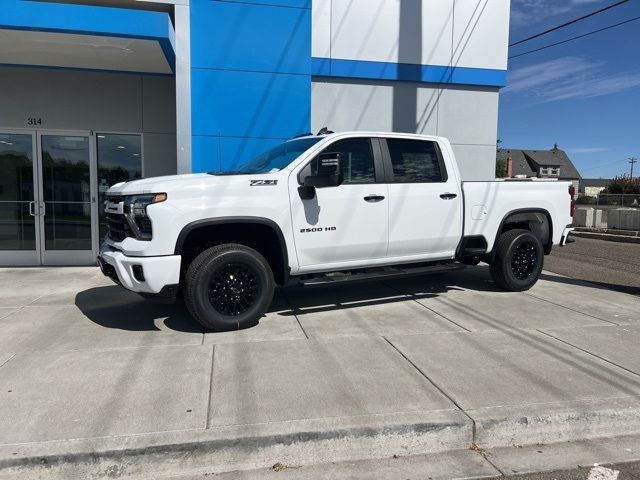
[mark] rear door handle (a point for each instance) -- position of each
(374, 198)
(448, 196)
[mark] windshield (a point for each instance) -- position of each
(278, 157)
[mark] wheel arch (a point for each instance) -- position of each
(536, 220)
(261, 234)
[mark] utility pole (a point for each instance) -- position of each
(632, 160)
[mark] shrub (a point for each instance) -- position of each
(623, 184)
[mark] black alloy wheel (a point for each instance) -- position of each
(234, 288)
(228, 287)
(516, 260)
(523, 260)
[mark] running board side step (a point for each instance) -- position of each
(383, 274)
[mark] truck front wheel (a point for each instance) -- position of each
(228, 287)
(517, 260)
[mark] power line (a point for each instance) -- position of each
(575, 38)
(568, 23)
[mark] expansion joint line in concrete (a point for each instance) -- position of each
(293, 310)
(412, 297)
(569, 308)
(7, 360)
(590, 353)
(208, 421)
(473, 445)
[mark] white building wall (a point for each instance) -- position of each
(458, 33)
(108, 102)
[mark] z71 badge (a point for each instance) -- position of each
(257, 183)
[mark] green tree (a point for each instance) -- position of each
(501, 168)
(623, 184)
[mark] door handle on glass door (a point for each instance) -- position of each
(43, 208)
(31, 209)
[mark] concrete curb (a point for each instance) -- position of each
(239, 448)
(606, 236)
(556, 422)
(318, 441)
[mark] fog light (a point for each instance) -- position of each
(138, 273)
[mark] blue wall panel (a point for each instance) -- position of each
(249, 104)
(205, 153)
(241, 36)
(250, 78)
(336, 67)
(234, 152)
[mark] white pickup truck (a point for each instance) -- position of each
(325, 209)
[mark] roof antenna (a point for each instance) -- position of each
(324, 131)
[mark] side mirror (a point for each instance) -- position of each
(328, 171)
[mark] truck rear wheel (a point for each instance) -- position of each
(228, 287)
(517, 260)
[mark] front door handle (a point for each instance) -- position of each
(31, 209)
(448, 196)
(374, 198)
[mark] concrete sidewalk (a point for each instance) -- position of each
(96, 381)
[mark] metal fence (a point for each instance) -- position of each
(609, 200)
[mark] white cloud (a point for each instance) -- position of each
(527, 12)
(587, 150)
(566, 78)
(548, 73)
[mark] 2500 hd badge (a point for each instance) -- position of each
(318, 229)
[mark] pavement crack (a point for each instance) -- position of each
(7, 360)
(293, 310)
(610, 362)
(485, 456)
(412, 297)
(208, 420)
(571, 309)
(437, 387)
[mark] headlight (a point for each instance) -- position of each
(135, 210)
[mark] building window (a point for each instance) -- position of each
(119, 160)
(550, 172)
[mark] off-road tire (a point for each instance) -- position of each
(244, 277)
(517, 260)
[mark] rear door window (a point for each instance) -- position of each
(416, 161)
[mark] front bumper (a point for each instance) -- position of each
(564, 239)
(147, 275)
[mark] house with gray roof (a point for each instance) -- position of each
(554, 163)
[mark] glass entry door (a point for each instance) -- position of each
(66, 198)
(19, 225)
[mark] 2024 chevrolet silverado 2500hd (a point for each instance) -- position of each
(325, 209)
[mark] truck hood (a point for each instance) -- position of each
(195, 182)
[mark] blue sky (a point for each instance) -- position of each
(585, 94)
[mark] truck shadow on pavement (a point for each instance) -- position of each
(114, 307)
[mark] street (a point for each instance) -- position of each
(609, 264)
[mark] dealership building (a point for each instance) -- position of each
(93, 92)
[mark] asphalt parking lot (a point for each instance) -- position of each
(613, 265)
(93, 374)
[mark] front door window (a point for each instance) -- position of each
(66, 186)
(17, 224)
(52, 189)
